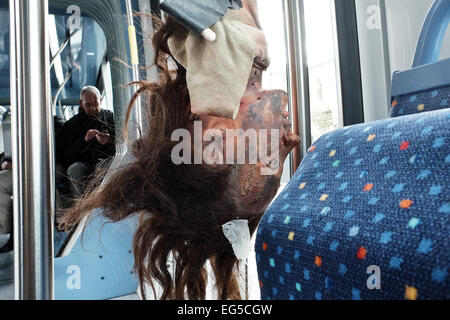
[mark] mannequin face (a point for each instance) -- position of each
(260, 109)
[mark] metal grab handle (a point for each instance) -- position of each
(58, 53)
(433, 32)
(136, 121)
(61, 87)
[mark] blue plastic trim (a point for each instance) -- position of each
(93, 48)
(421, 78)
(102, 260)
(433, 32)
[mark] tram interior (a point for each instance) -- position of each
(343, 93)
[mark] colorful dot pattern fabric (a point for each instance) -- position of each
(374, 194)
(420, 102)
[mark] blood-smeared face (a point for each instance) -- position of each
(260, 109)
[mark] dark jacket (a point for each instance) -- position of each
(76, 149)
(59, 143)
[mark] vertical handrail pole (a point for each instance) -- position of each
(298, 80)
(33, 169)
(135, 121)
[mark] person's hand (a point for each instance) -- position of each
(91, 134)
(7, 165)
(103, 137)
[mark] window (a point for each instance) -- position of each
(326, 114)
(272, 23)
(326, 109)
(322, 57)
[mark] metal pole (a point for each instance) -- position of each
(147, 30)
(135, 121)
(58, 92)
(33, 176)
(298, 80)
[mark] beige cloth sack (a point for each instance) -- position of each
(217, 73)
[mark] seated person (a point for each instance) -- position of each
(88, 139)
(183, 207)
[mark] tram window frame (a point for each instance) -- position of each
(349, 61)
(272, 21)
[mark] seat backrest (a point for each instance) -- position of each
(376, 194)
(425, 87)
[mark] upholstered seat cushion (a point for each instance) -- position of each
(375, 194)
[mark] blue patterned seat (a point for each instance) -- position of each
(372, 194)
(367, 215)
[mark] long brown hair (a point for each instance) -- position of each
(181, 207)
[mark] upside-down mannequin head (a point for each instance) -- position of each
(183, 207)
